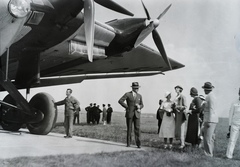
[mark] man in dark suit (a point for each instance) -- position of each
(109, 114)
(159, 115)
(89, 113)
(133, 111)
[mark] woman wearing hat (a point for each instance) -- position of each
(167, 130)
(193, 118)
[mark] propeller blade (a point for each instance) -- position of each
(163, 13)
(146, 11)
(160, 47)
(144, 34)
(89, 19)
(113, 6)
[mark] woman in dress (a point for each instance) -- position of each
(167, 130)
(193, 118)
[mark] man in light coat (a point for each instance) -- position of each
(180, 119)
(210, 119)
(71, 106)
(133, 111)
(234, 123)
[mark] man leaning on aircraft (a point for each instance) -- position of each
(71, 106)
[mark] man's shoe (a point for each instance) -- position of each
(139, 146)
(65, 136)
(128, 145)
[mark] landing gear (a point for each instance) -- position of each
(41, 123)
(10, 117)
(45, 103)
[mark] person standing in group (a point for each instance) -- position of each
(133, 112)
(193, 118)
(98, 114)
(201, 114)
(89, 113)
(71, 106)
(234, 125)
(159, 115)
(167, 130)
(104, 115)
(77, 117)
(180, 119)
(109, 114)
(210, 119)
(95, 113)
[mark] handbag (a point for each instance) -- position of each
(169, 114)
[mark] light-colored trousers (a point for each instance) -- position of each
(68, 124)
(182, 133)
(209, 138)
(180, 128)
(232, 140)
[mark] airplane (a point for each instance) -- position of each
(56, 42)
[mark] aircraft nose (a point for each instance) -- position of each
(5, 16)
(9, 25)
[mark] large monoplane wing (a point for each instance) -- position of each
(142, 61)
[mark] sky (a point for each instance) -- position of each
(204, 35)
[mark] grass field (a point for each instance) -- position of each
(117, 132)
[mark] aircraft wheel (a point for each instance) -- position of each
(10, 116)
(45, 103)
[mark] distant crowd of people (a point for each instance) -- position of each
(93, 114)
(201, 117)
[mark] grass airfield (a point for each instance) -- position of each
(117, 132)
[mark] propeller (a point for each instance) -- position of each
(151, 28)
(89, 19)
(113, 6)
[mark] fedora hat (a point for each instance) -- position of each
(208, 86)
(178, 86)
(135, 85)
(193, 91)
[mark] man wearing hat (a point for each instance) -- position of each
(210, 119)
(180, 119)
(133, 107)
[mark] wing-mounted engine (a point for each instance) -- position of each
(103, 35)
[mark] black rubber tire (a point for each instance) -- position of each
(6, 125)
(45, 103)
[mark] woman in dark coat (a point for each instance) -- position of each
(193, 118)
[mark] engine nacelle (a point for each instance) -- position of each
(80, 49)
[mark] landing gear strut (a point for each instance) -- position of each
(39, 114)
(10, 117)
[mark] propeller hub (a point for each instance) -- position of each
(156, 23)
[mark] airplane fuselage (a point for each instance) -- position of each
(53, 21)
